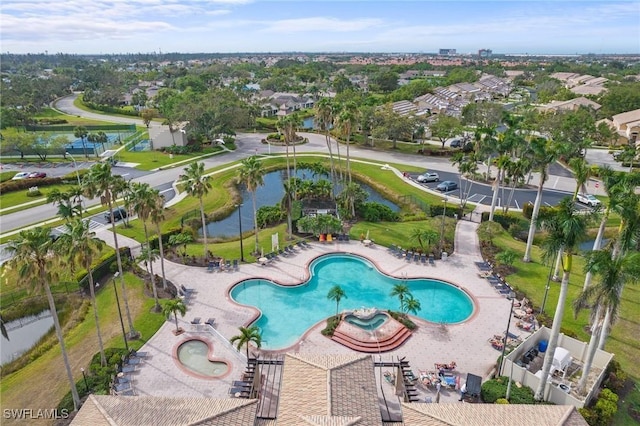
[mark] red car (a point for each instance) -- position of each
(37, 175)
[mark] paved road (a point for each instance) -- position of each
(250, 144)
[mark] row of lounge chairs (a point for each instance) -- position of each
(122, 382)
(286, 251)
(222, 265)
(329, 238)
(197, 320)
(411, 256)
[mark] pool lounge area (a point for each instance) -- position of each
(430, 343)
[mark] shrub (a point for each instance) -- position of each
(606, 406)
(34, 192)
(502, 401)
(403, 319)
(527, 210)
(269, 215)
(376, 212)
(590, 415)
(615, 377)
(495, 389)
(332, 324)
(17, 185)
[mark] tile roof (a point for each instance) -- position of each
(490, 415)
(109, 410)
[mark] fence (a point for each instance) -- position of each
(130, 128)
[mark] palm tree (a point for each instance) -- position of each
(286, 126)
(604, 296)
(337, 294)
(401, 290)
(251, 174)
(516, 170)
(246, 337)
(81, 246)
(63, 200)
(156, 214)
(565, 227)
(143, 198)
(412, 305)
(347, 120)
(173, 307)
(100, 182)
(502, 162)
(183, 238)
(324, 119)
(81, 132)
(198, 185)
(34, 261)
(544, 153)
(582, 173)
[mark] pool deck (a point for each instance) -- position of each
(466, 343)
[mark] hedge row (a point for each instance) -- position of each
(17, 185)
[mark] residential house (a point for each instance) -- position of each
(570, 105)
(627, 124)
(281, 104)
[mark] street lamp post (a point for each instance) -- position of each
(512, 296)
(115, 289)
(444, 214)
(84, 376)
(75, 166)
(240, 225)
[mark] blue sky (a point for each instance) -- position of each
(131, 26)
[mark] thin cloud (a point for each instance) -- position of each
(321, 24)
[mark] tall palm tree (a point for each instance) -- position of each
(156, 215)
(34, 261)
(174, 307)
(581, 172)
(401, 290)
(247, 336)
(324, 119)
(143, 197)
(64, 201)
(502, 162)
(544, 153)
(251, 174)
(290, 187)
(336, 293)
(81, 246)
(100, 182)
(81, 132)
(604, 296)
(287, 127)
(197, 185)
(516, 171)
(149, 255)
(347, 120)
(565, 227)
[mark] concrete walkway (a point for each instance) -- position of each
(466, 343)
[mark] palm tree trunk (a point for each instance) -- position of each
(532, 226)
(59, 335)
(556, 272)
(339, 160)
(553, 340)
(333, 167)
(164, 277)
(204, 228)
(175, 315)
(596, 246)
(494, 198)
(92, 292)
(125, 298)
(348, 158)
(295, 167)
(255, 220)
(591, 351)
(157, 307)
(604, 331)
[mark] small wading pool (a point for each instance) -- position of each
(194, 356)
(367, 323)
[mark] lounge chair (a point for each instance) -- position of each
(235, 264)
(416, 257)
(346, 238)
(300, 244)
(432, 260)
(133, 361)
(121, 387)
(127, 369)
(196, 320)
(210, 321)
(409, 256)
(423, 258)
(210, 267)
(186, 291)
(483, 266)
(329, 238)
(139, 354)
(227, 265)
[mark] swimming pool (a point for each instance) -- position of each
(288, 312)
(194, 356)
(367, 323)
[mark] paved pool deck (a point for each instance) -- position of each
(466, 343)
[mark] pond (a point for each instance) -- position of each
(270, 194)
(23, 334)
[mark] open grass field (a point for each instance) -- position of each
(15, 198)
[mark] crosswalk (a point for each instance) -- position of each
(93, 226)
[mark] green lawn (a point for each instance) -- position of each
(149, 160)
(9, 199)
(531, 278)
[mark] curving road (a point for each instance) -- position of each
(249, 144)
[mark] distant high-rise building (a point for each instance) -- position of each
(485, 53)
(447, 51)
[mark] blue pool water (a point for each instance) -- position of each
(288, 312)
(367, 324)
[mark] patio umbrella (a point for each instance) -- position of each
(367, 237)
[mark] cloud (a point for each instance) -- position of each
(320, 24)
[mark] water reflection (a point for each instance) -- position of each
(270, 194)
(23, 334)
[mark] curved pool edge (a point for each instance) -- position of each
(210, 357)
(307, 275)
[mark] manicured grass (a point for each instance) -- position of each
(43, 382)
(149, 160)
(531, 278)
(14, 198)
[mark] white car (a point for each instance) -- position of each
(428, 177)
(588, 199)
(21, 175)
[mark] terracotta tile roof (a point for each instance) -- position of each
(490, 415)
(328, 390)
(158, 411)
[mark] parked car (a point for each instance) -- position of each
(428, 177)
(21, 175)
(446, 186)
(588, 199)
(456, 143)
(37, 175)
(118, 214)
